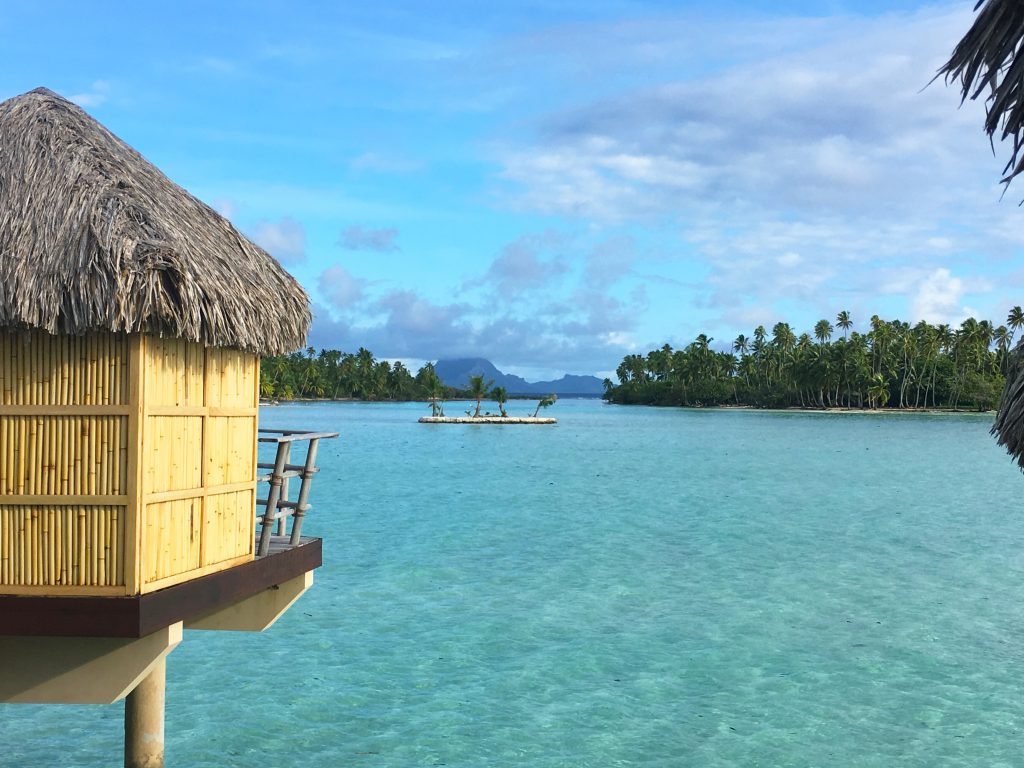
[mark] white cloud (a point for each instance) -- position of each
(284, 239)
(839, 127)
(801, 179)
(525, 308)
(937, 298)
(357, 238)
(609, 262)
(341, 287)
(521, 266)
(97, 94)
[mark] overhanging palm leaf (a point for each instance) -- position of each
(986, 60)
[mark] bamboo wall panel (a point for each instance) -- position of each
(174, 370)
(63, 455)
(229, 449)
(62, 546)
(161, 431)
(39, 369)
(174, 451)
(173, 538)
(229, 527)
(231, 382)
(200, 453)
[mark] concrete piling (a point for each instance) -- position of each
(144, 720)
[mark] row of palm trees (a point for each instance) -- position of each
(892, 365)
(337, 375)
(480, 390)
(333, 374)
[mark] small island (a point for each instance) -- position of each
(487, 420)
(478, 390)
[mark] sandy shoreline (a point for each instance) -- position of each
(829, 411)
(487, 420)
(864, 411)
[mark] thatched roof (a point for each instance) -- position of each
(94, 237)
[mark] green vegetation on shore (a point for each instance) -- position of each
(331, 373)
(894, 365)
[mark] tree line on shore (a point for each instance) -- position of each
(337, 375)
(333, 374)
(893, 365)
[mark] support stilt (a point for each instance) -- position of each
(144, 721)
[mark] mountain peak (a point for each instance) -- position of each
(456, 373)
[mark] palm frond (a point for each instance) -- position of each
(1009, 424)
(985, 61)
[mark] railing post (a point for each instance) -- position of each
(282, 521)
(308, 470)
(273, 498)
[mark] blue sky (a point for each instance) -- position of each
(554, 185)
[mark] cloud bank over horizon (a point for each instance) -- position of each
(826, 174)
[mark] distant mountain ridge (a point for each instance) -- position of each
(456, 373)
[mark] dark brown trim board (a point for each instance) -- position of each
(141, 615)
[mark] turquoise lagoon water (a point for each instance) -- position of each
(633, 587)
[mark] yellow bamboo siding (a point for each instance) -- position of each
(37, 368)
(174, 456)
(228, 527)
(200, 410)
(173, 532)
(232, 379)
(174, 371)
(62, 546)
(77, 455)
(127, 463)
(229, 456)
(63, 463)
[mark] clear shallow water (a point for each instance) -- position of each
(636, 587)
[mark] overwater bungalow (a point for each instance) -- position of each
(133, 320)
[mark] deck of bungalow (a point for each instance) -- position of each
(282, 555)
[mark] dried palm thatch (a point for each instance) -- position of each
(1009, 424)
(94, 237)
(986, 60)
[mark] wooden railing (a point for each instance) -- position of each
(277, 507)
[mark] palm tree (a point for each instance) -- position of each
(1014, 321)
(823, 331)
(500, 395)
(435, 391)
(478, 391)
(741, 345)
(878, 391)
(623, 372)
(277, 369)
(1002, 338)
(843, 321)
(545, 402)
(659, 362)
(310, 375)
